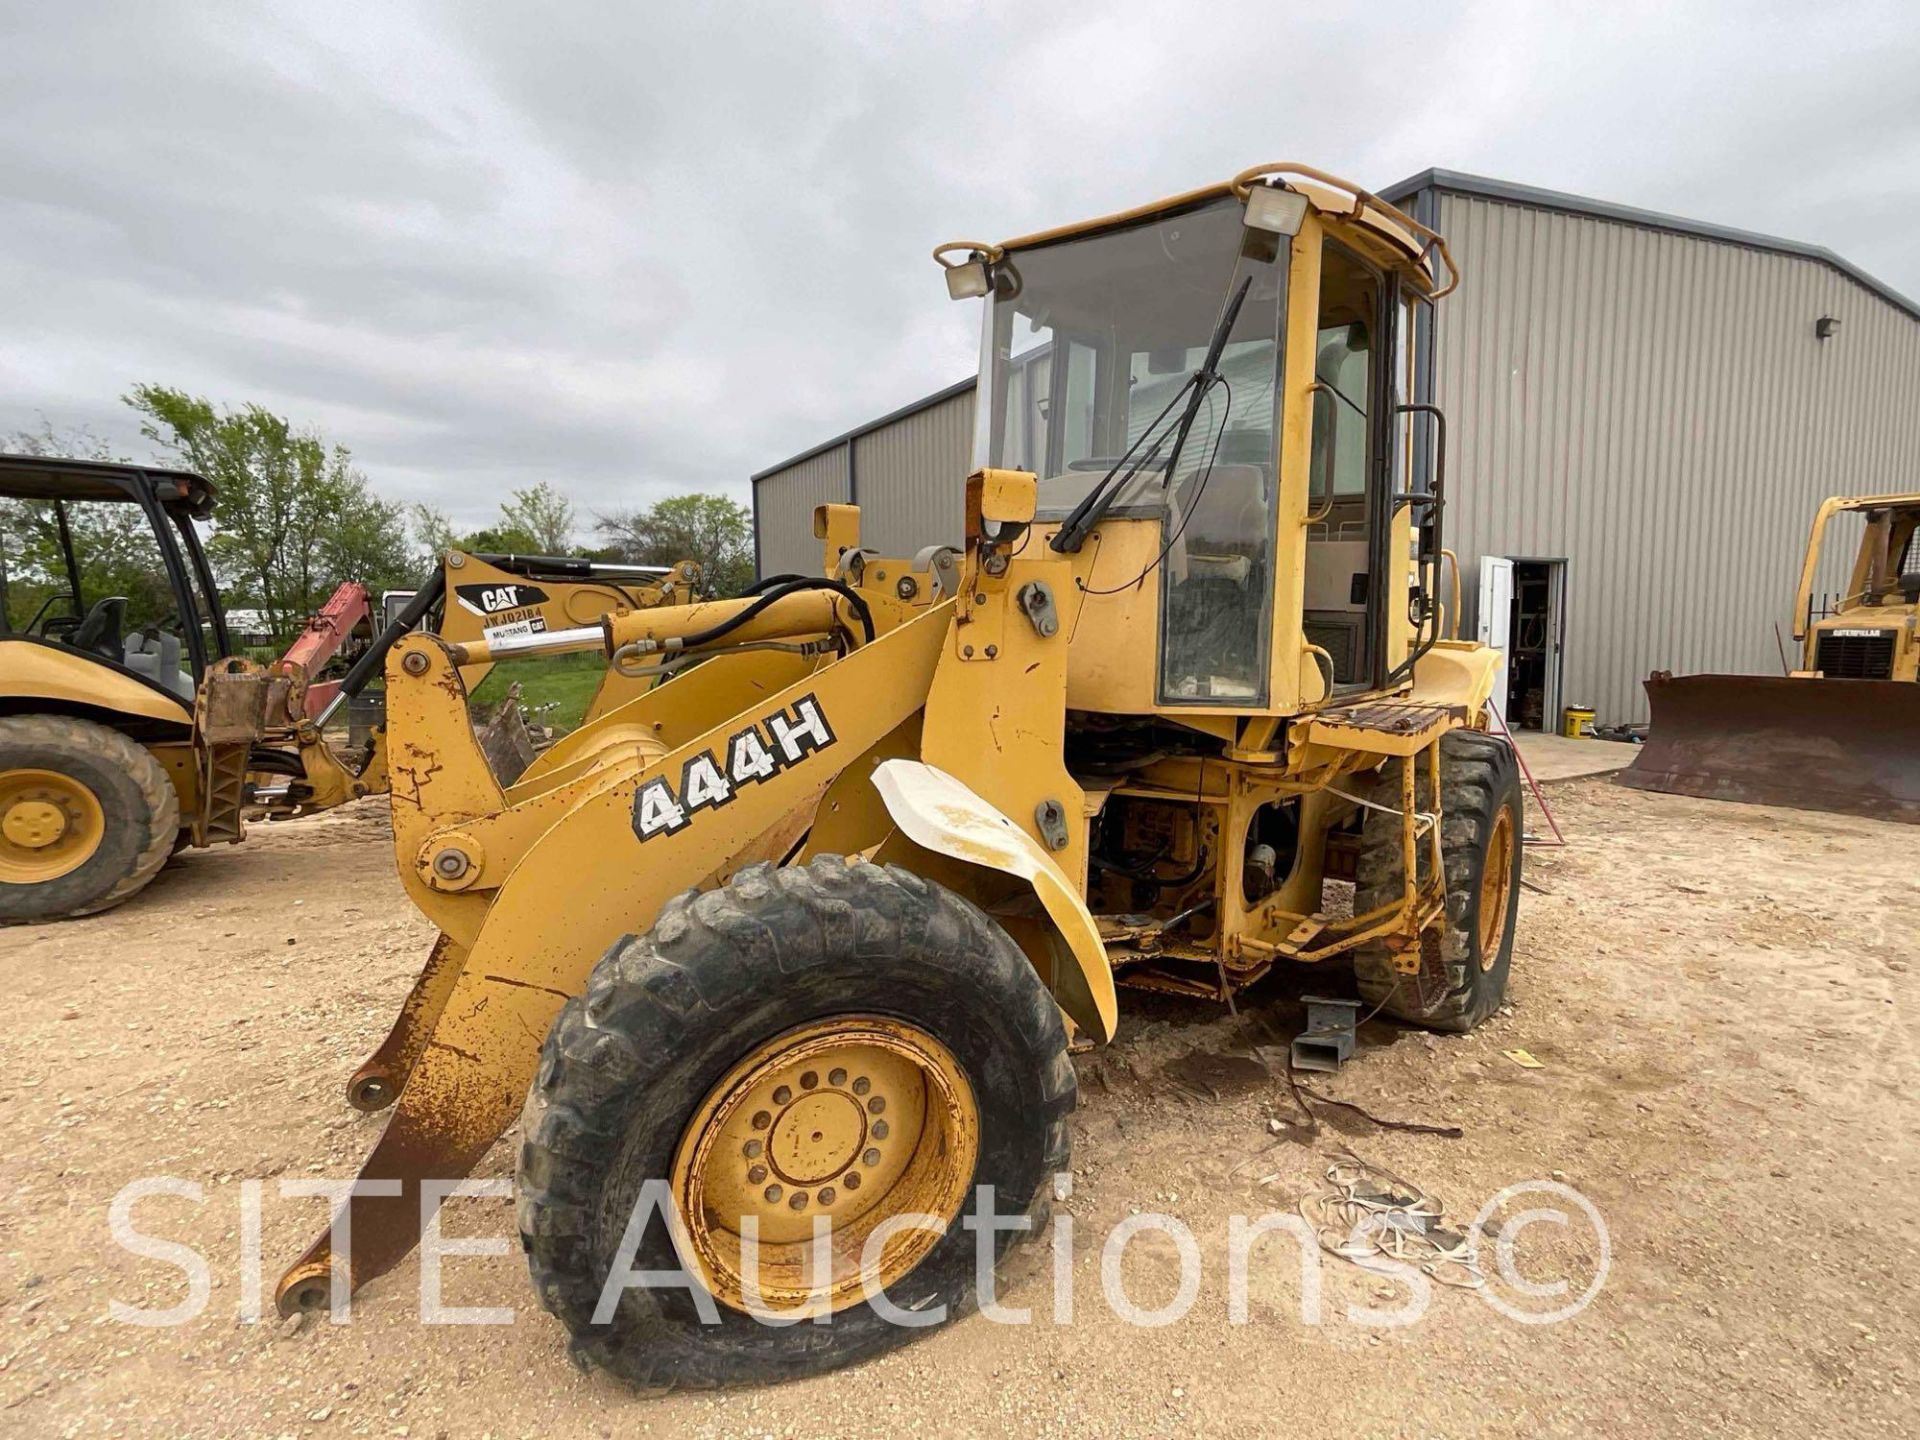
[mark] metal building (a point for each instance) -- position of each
(1644, 412)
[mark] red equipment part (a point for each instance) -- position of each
(325, 634)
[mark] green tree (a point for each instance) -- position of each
(542, 513)
(434, 531)
(500, 540)
(711, 529)
(293, 517)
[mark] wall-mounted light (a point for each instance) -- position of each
(1824, 327)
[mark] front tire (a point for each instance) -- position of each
(87, 817)
(1466, 956)
(753, 1029)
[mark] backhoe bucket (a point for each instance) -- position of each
(1851, 746)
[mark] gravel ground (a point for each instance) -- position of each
(1718, 996)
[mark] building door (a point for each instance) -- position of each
(1496, 619)
(1523, 615)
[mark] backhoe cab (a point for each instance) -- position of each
(804, 925)
(132, 726)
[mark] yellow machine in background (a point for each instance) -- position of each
(130, 729)
(803, 928)
(1868, 631)
(1841, 732)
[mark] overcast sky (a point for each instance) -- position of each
(637, 249)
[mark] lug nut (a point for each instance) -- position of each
(773, 1194)
(826, 1196)
(809, 1080)
(836, 1078)
(879, 1129)
(783, 1095)
(761, 1119)
(870, 1159)
(862, 1085)
(799, 1200)
(751, 1149)
(851, 1180)
(877, 1104)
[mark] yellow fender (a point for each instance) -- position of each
(939, 813)
(32, 671)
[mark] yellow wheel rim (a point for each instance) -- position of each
(858, 1120)
(50, 825)
(1496, 879)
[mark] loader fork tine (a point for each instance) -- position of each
(423, 1141)
(385, 1228)
(379, 1081)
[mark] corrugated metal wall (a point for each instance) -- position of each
(911, 478)
(783, 511)
(1656, 408)
(908, 473)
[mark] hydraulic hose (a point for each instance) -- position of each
(785, 588)
(370, 663)
(769, 582)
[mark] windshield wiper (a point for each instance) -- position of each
(1073, 532)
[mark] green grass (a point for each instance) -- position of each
(566, 682)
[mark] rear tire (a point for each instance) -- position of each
(119, 817)
(1466, 957)
(668, 1020)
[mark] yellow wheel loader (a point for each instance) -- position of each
(131, 728)
(1842, 732)
(777, 963)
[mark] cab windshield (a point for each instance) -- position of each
(91, 575)
(1087, 345)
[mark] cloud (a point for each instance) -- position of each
(638, 249)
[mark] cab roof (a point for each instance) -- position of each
(1410, 243)
(50, 477)
(1876, 502)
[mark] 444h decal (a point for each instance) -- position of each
(712, 778)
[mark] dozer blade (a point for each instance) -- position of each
(1851, 746)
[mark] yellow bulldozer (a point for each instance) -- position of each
(130, 725)
(778, 963)
(1839, 733)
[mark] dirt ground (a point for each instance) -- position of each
(1719, 997)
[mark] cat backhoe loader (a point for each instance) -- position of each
(1840, 733)
(782, 957)
(131, 728)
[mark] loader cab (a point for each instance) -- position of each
(1252, 513)
(102, 563)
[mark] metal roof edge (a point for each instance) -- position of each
(1460, 183)
(925, 402)
(81, 465)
